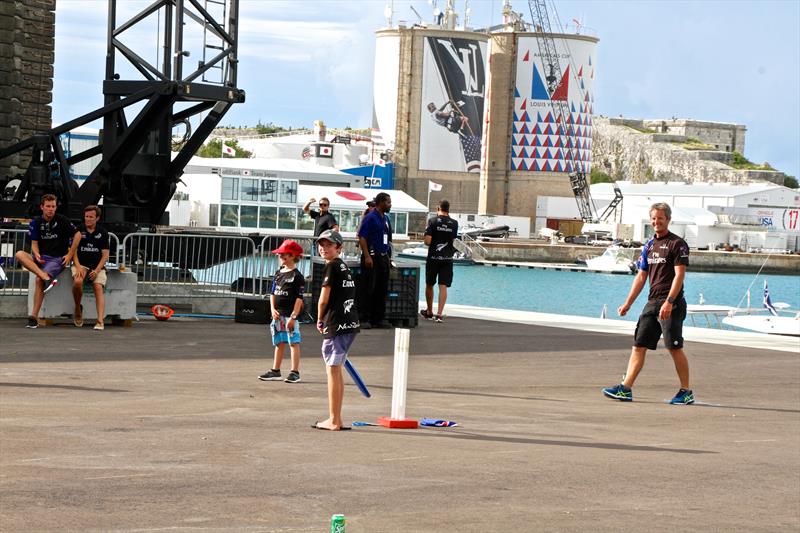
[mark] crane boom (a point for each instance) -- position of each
(560, 107)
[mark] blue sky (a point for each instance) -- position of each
(302, 60)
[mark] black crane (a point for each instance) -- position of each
(137, 175)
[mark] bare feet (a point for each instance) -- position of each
(329, 425)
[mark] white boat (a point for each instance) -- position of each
(772, 322)
(419, 251)
(774, 325)
(614, 259)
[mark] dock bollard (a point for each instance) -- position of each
(398, 418)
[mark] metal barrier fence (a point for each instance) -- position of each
(14, 278)
(189, 265)
(177, 265)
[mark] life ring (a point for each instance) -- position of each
(162, 312)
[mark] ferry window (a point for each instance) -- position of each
(399, 222)
(213, 215)
(269, 190)
(348, 220)
(288, 192)
(250, 190)
(287, 217)
(230, 215)
(248, 216)
(304, 221)
(230, 188)
(648, 232)
(268, 217)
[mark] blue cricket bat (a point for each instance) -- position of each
(357, 378)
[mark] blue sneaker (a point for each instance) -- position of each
(619, 392)
(684, 397)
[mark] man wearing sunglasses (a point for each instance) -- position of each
(323, 219)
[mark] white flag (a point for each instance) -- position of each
(228, 150)
(434, 186)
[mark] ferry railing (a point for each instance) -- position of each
(13, 278)
(475, 249)
(190, 266)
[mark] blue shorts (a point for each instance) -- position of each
(280, 335)
(334, 349)
(52, 265)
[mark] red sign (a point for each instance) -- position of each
(351, 195)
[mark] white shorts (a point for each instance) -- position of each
(101, 278)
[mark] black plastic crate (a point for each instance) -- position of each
(402, 301)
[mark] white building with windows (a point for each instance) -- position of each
(256, 200)
(755, 215)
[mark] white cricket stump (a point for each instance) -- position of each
(398, 418)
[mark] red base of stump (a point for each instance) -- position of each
(387, 422)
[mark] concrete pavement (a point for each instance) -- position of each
(165, 426)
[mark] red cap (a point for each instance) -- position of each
(289, 247)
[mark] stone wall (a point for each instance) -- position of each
(625, 153)
(27, 54)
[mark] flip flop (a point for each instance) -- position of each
(343, 428)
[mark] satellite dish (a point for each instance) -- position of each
(437, 12)
(363, 158)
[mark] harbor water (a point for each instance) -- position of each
(585, 293)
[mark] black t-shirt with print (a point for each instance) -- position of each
(287, 287)
(90, 249)
(322, 222)
(341, 315)
(658, 258)
(443, 230)
(53, 237)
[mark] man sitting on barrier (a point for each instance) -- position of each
(50, 236)
(90, 265)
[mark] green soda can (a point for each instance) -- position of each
(337, 523)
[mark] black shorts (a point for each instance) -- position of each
(438, 269)
(649, 328)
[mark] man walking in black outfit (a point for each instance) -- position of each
(374, 237)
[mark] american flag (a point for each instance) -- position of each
(471, 144)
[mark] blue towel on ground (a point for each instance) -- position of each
(437, 423)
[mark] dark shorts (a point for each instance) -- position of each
(52, 265)
(443, 270)
(650, 328)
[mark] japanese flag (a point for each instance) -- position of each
(381, 163)
(434, 186)
(228, 150)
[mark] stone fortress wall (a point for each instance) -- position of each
(27, 55)
(622, 151)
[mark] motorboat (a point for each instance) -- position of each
(419, 251)
(773, 322)
(496, 231)
(614, 259)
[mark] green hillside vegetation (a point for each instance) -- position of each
(741, 162)
(641, 130)
(598, 176)
(696, 144)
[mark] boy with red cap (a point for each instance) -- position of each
(286, 303)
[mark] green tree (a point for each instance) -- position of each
(213, 148)
(598, 176)
(266, 129)
(791, 182)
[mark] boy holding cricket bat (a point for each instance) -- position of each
(337, 321)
